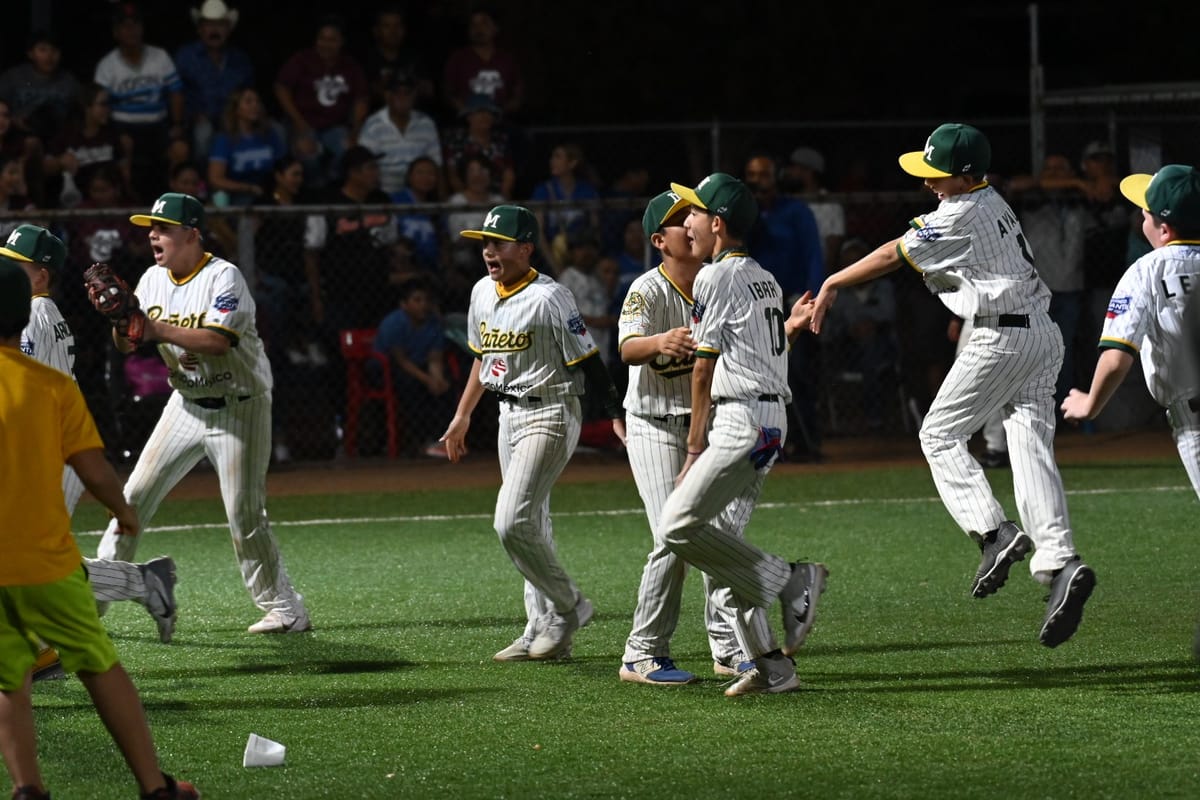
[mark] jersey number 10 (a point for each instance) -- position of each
(775, 325)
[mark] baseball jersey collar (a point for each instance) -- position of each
(731, 252)
(1184, 242)
(662, 270)
(181, 281)
(529, 278)
(36, 296)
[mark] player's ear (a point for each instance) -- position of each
(658, 240)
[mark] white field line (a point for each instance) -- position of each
(615, 512)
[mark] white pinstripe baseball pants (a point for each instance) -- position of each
(1013, 370)
(111, 580)
(535, 442)
(1185, 428)
(722, 474)
(236, 439)
(657, 450)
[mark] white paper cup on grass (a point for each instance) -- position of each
(262, 752)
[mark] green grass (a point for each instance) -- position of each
(912, 688)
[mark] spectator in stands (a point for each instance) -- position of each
(25, 150)
(399, 134)
(346, 254)
(211, 70)
(88, 141)
(323, 93)
(146, 96)
(245, 151)
(567, 185)
(481, 67)
(390, 54)
(633, 185)
(481, 135)
(13, 195)
(421, 228)
(803, 174)
(413, 337)
(785, 240)
(862, 335)
(593, 296)
(39, 92)
(631, 260)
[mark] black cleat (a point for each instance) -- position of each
(1069, 590)
(1001, 548)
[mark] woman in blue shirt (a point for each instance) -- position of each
(242, 155)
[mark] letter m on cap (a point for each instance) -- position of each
(13, 237)
(491, 220)
(160, 205)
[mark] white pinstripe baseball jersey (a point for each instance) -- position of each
(47, 337)
(1146, 315)
(662, 386)
(528, 337)
(738, 315)
(972, 245)
(214, 296)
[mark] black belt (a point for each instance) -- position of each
(682, 419)
(762, 398)
(213, 403)
(512, 398)
(1004, 320)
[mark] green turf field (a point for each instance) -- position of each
(912, 688)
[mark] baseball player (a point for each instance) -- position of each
(48, 339)
(973, 256)
(656, 342)
(200, 311)
(741, 339)
(1147, 313)
(44, 592)
(533, 350)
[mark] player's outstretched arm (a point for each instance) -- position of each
(697, 440)
(455, 436)
(101, 480)
(801, 316)
(875, 264)
(1111, 369)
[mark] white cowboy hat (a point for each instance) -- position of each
(215, 10)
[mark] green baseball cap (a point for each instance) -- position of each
(15, 294)
(508, 223)
(723, 196)
(659, 210)
(35, 244)
(1172, 194)
(952, 149)
(173, 209)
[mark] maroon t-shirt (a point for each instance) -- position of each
(468, 74)
(324, 95)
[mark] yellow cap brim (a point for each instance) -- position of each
(914, 164)
(14, 255)
(146, 220)
(687, 197)
(485, 235)
(1134, 188)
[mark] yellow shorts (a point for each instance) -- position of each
(63, 614)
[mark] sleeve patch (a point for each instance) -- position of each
(927, 234)
(635, 306)
(698, 311)
(575, 325)
(1117, 306)
(226, 302)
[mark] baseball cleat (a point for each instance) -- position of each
(174, 790)
(799, 600)
(159, 600)
(656, 671)
(47, 667)
(1001, 548)
(1070, 589)
(277, 622)
(770, 675)
(519, 651)
(731, 667)
(558, 630)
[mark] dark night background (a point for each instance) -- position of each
(629, 61)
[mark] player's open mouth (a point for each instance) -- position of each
(157, 250)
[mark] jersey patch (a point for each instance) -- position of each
(1117, 306)
(575, 325)
(635, 306)
(226, 302)
(499, 367)
(927, 234)
(27, 346)
(698, 311)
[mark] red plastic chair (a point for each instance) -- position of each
(357, 350)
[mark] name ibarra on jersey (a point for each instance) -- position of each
(494, 340)
(176, 319)
(762, 289)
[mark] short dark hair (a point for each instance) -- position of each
(1182, 233)
(412, 285)
(475, 158)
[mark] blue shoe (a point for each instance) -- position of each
(657, 671)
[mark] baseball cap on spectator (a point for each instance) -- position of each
(33, 243)
(660, 209)
(952, 149)
(808, 157)
(1096, 149)
(723, 196)
(15, 294)
(173, 208)
(480, 102)
(1171, 194)
(356, 156)
(126, 11)
(507, 223)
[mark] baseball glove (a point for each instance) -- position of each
(113, 298)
